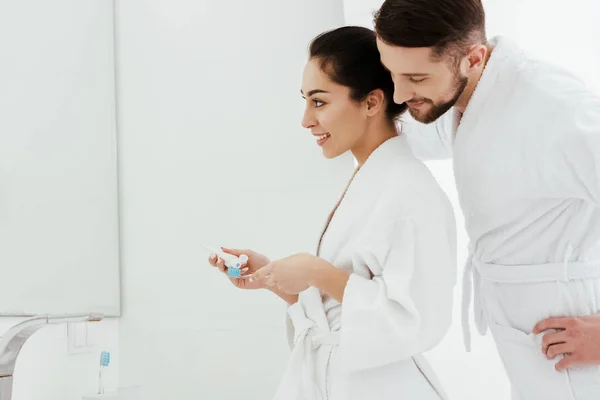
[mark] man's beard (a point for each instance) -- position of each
(437, 110)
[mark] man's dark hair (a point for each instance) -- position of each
(449, 27)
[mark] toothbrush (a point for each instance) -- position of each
(233, 263)
(104, 361)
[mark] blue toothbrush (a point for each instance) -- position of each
(104, 361)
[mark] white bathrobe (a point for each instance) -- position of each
(394, 232)
(526, 157)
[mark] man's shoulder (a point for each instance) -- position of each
(550, 84)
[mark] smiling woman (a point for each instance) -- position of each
(378, 291)
(343, 81)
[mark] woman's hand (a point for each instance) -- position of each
(297, 273)
(254, 263)
(290, 275)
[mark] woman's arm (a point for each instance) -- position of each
(288, 298)
(329, 279)
(406, 308)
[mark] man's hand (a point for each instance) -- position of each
(578, 338)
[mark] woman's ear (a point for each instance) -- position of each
(375, 102)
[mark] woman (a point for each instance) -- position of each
(379, 290)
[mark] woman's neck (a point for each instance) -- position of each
(373, 138)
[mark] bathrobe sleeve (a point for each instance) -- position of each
(576, 156)
(406, 307)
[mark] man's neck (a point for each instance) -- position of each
(465, 97)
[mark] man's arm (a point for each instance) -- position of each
(575, 162)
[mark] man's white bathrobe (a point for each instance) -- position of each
(394, 232)
(526, 157)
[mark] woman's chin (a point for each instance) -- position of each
(329, 154)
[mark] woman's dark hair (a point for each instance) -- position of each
(447, 26)
(349, 56)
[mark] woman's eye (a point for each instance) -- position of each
(318, 103)
(416, 80)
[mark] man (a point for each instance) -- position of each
(525, 140)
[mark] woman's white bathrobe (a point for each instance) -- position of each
(526, 157)
(394, 232)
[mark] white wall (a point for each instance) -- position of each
(211, 150)
(561, 32)
(360, 12)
